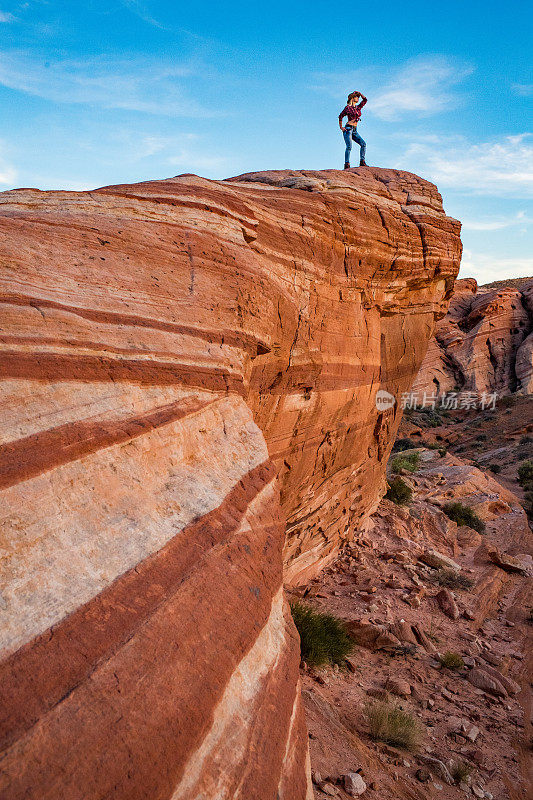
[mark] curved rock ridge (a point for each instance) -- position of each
(484, 343)
(173, 354)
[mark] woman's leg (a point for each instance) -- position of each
(348, 139)
(361, 142)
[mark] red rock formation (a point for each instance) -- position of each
(167, 348)
(483, 344)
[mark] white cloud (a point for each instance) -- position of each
(133, 84)
(8, 173)
(497, 224)
(523, 89)
(486, 268)
(191, 160)
(420, 87)
(140, 10)
(5, 16)
(502, 168)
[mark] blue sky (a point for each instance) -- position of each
(111, 91)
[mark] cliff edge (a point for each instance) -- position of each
(176, 354)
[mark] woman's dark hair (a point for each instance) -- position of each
(353, 94)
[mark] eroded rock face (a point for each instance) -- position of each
(483, 344)
(168, 350)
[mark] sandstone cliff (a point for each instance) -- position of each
(168, 349)
(484, 343)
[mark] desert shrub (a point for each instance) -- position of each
(323, 637)
(525, 474)
(409, 444)
(429, 417)
(451, 660)
(408, 462)
(464, 515)
(399, 492)
(461, 771)
(525, 479)
(526, 440)
(507, 401)
(495, 468)
(528, 501)
(389, 723)
(452, 579)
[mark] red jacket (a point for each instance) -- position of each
(352, 112)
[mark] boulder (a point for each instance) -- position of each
(423, 639)
(481, 679)
(371, 635)
(510, 686)
(353, 784)
(438, 560)
(398, 687)
(447, 604)
(437, 767)
(510, 563)
(403, 631)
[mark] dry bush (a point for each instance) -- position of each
(390, 723)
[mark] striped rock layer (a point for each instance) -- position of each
(174, 356)
(483, 344)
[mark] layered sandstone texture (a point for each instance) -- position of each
(174, 354)
(483, 344)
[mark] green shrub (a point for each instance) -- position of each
(525, 474)
(452, 579)
(399, 492)
(496, 468)
(410, 444)
(451, 660)
(431, 419)
(426, 417)
(323, 637)
(461, 771)
(525, 479)
(389, 723)
(528, 501)
(507, 401)
(464, 515)
(408, 462)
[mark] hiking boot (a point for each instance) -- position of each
(363, 163)
(347, 165)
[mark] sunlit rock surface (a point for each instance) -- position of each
(175, 354)
(483, 344)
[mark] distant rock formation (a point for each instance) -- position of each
(484, 343)
(175, 354)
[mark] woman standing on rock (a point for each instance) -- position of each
(353, 112)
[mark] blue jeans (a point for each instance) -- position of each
(350, 133)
